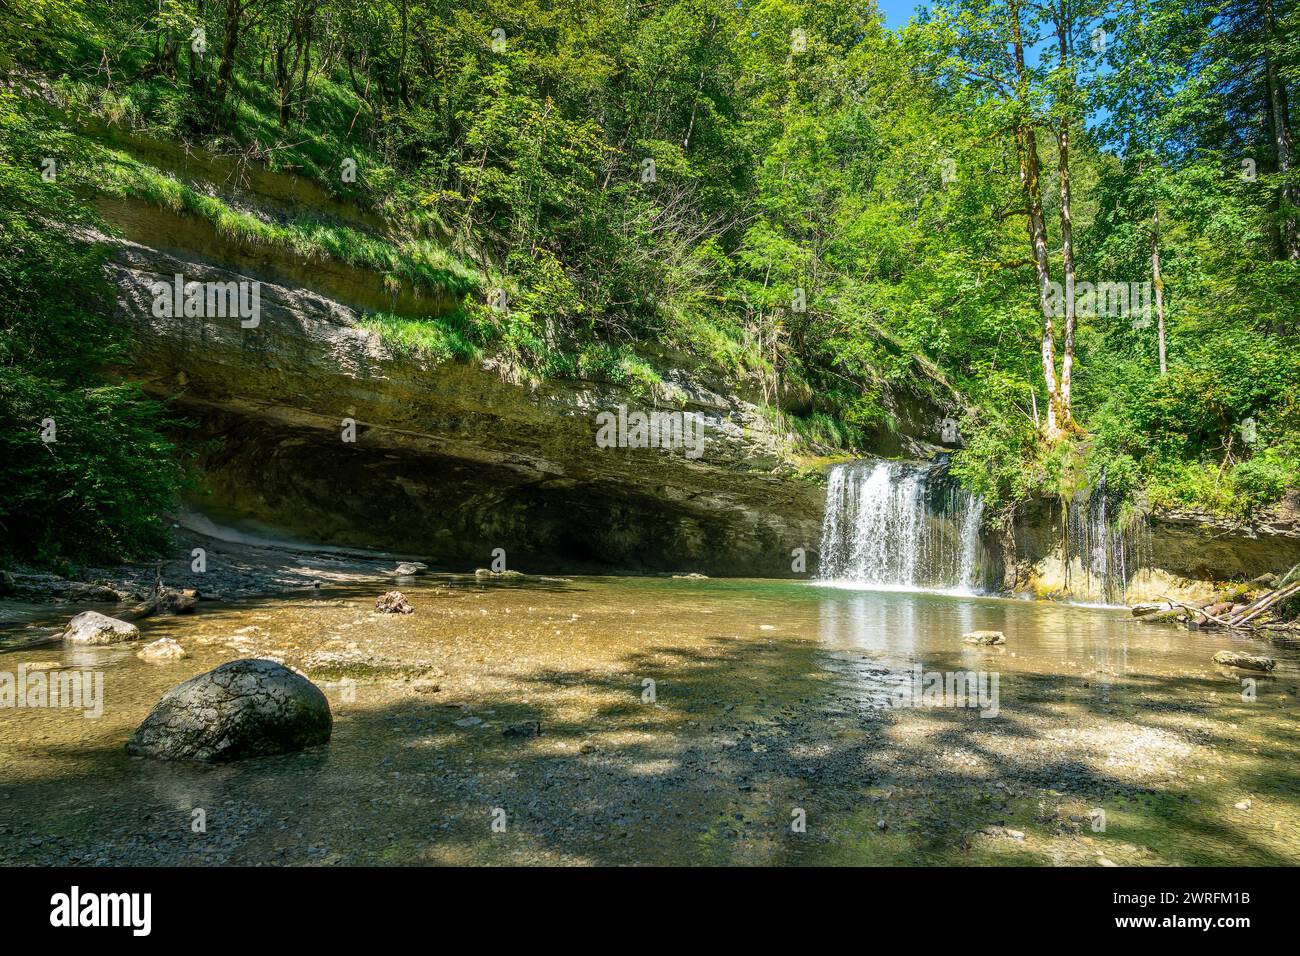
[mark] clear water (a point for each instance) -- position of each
(770, 697)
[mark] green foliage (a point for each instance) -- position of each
(439, 340)
(844, 221)
(96, 490)
(1001, 460)
(415, 262)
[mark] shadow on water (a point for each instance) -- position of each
(694, 779)
(744, 736)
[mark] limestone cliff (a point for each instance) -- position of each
(451, 459)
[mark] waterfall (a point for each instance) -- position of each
(1101, 548)
(896, 524)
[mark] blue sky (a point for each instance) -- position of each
(897, 12)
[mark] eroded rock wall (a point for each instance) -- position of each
(450, 459)
(1185, 556)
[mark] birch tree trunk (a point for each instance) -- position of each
(1031, 184)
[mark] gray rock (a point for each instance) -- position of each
(486, 574)
(528, 728)
(1244, 661)
(394, 602)
(244, 708)
(984, 637)
(1150, 608)
(1163, 616)
(410, 568)
(93, 628)
(160, 651)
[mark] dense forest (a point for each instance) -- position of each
(1081, 215)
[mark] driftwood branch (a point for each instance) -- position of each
(1200, 611)
(1266, 602)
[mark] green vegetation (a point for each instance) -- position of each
(416, 262)
(84, 467)
(820, 209)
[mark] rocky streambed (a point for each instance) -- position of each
(660, 720)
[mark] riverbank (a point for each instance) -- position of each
(222, 564)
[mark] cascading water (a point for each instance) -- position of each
(1102, 551)
(893, 524)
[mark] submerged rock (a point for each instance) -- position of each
(160, 651)
(984, 637)
(528, 728)
(484, 573)
(1248, 662)
(244, 708)
(692, 576)
(93, 628)
(394, 602)
(1163, 616)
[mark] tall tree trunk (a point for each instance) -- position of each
(403, 87)
(1067, 256)
(229, 45)
(1159, 283)
(1282, 141)
(1067, 222)
(307, 22)
(198, 78)
(1031, 184)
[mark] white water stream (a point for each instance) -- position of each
(900, 525)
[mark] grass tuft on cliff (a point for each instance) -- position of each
(418, 262)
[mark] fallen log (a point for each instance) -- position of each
(1202, 612)
(1160, 617)
(1263, 604)
(1149, 608)
(165, 600)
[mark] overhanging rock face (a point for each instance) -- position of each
(450, 460)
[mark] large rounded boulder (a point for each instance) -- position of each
(245, 708)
